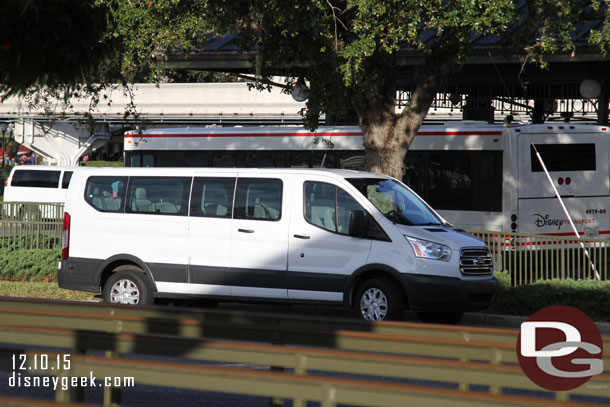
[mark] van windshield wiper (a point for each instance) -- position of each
(397, 217)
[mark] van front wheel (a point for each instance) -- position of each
(127, 286)
(379, 300)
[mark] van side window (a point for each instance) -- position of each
(37, 179)
(212, 197)
(159, 195)
(329, 207)
(320, 203)
(106, 194)
(258, 199)
(65, 181)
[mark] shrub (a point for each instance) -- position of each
(29, 265)
(102, 163)
(590, 296)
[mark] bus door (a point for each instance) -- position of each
(578, 166)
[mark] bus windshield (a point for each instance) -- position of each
(396, 202)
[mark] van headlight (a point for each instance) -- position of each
(429, 250)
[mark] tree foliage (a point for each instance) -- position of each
(348, 50)
(50, 42)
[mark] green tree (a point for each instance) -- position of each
(346, 49)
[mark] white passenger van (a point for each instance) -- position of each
(285, 235)
(43, 184)
(37, 183)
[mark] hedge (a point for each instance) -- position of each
(590, 296)
(102, 163)
(29, 265)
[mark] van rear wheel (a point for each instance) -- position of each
(379, 299)
(127, 285)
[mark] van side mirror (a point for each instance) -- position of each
(359, 223)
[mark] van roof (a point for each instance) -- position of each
(177, 171)
(45, 167)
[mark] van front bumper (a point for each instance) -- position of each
(448, 294)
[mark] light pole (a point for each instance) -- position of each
(3, 128)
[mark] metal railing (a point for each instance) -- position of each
(30, 225)
(530, 258)
(299, 358)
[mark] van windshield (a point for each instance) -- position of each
(395, 202)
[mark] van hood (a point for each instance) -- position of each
(450, 236)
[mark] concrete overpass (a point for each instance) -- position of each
(63, 132)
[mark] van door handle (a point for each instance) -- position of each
(301, 236)
(245, 230)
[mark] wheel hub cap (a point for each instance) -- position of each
(374, 305)
(124, 292)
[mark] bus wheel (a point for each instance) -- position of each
(379, 299)
(127, 285)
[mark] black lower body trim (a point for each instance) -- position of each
(443, 294)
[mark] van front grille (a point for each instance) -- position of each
(476, 262)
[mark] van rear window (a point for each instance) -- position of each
(35, 179)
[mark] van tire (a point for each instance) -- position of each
(127, 285)
(379, 299)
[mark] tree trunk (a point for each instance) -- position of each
(387, 135)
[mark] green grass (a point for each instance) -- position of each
(41, 289)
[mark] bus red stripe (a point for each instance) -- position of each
(340, 134)
(195, 135)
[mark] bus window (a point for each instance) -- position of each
(228, 159)
(197, 159)
(276, 159)
(352, 160)
(414, 174)
(450, 180)
(300, 160)
(564, 157)
(327, 156)
(142, 160)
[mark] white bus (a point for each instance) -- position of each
(478, 176)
